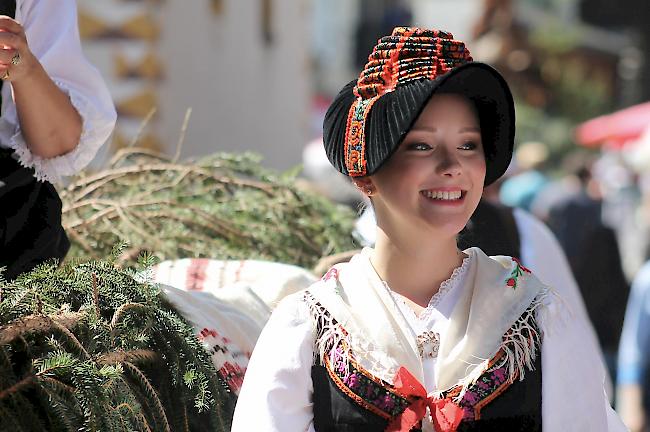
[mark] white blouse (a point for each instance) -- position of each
(277, 390)
(434, 317)
(53, 37)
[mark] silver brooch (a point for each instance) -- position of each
(428, 344)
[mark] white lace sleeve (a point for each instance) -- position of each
(53, 37)
(277, 390)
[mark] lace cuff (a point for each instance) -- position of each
(96, 127)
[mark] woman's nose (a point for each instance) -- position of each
(448, 164)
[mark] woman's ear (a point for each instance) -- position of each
(364, 184)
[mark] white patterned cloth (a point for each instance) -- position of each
(228, 303)
(53, 37)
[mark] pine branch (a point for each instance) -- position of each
(36, 323)
(137, 415)
(134, 356)
(151, 392)
(8, 420)
(70, 337)
(19, 386)
(72, 362)
(125, 308)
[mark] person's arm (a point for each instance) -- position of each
(629, 404)
(50, 124)
(277, 388)
(633, 353)
(56, 109)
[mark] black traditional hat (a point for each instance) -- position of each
(369, 118)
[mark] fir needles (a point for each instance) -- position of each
(87, 347)
(222, 206)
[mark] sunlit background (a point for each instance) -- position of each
(258, 75)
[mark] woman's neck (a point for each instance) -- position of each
(415, 269)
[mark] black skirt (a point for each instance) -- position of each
(30, 211)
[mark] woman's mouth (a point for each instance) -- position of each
(444, 196)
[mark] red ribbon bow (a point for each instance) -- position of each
(446, 414)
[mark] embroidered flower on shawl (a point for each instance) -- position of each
(332, 273)
(516, 272)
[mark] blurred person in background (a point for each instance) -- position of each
(593, 253)
(379, 18)
(633, 374)
(527, 178)
(622, 181)
(56, 113)
(633, 377)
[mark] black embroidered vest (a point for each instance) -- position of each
(30, 213)
(349, 399)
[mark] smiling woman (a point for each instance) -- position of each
(415, 334)
(434, 179)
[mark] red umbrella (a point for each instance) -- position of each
(615, 129)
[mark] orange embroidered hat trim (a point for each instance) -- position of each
(407, 55)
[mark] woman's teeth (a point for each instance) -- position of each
(440, 195)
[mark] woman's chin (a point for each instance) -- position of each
(445, 227)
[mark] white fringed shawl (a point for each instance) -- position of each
(354, 305)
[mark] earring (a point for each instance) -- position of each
(369, 191)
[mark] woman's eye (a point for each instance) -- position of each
(419, 146)
(470, 145)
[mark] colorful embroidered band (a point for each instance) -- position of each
(407, 55)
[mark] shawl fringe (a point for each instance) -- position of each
(520, 345)
(331, 339)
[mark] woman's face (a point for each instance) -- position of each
(434, 180)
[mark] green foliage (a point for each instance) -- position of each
(534, 124)
(576, 78)
(554, 36)
(88, 347)
(223, 206)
